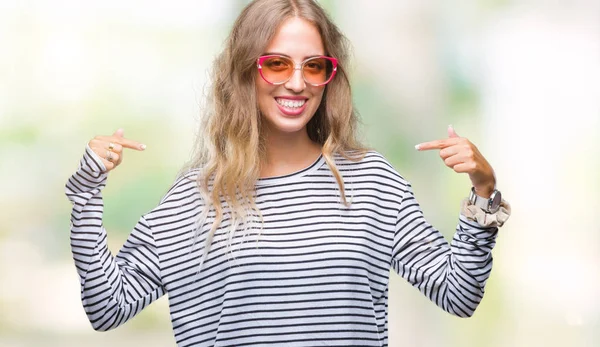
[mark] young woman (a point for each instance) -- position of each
(282, 229)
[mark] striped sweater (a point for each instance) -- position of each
(315, 274)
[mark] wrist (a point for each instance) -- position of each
(485, 191)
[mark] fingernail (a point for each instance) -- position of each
(417, 147)
(143, 147)
(450, 126)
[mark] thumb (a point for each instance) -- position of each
(451, 132)
(119, 132)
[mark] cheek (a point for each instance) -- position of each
(318, 97)
(263, 94)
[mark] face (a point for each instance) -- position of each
(287, 108)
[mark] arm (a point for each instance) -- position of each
(453, 276)
(113, 289)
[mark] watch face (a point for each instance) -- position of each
(496, 199)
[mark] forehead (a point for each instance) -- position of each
(297, 38)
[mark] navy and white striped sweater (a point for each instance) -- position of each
(317, 274)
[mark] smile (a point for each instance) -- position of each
(290, 103)
(291, 107)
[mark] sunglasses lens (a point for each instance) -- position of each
(277, 69)
(317, 70)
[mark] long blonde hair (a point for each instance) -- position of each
(230, 145)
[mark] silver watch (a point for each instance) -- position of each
(489, 205)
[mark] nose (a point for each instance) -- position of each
(296, 82)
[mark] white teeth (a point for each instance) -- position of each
(290, 103)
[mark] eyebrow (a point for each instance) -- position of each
(285, 55)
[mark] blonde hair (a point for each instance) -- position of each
(230, 146)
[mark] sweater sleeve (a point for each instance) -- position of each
(113, 289)
(451, 275)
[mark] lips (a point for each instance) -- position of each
(292, 105)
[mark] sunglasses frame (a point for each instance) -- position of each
(262, 58)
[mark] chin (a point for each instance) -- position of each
(283, 122)
(288, 126)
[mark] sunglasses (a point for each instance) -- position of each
(278, 69)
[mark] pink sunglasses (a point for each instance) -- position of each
(278, 69)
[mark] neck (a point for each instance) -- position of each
(287, 153)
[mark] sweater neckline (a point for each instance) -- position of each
(267, 181)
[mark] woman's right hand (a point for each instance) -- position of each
(110, 148)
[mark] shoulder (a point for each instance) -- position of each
(370, 164)
(185, 182)
(183, 195)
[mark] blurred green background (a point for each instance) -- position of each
(520, 79)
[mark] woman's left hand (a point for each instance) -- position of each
(459, 154)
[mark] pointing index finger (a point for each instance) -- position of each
(437, 144)
(129, 143)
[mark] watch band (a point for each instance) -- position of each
(489, 205)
